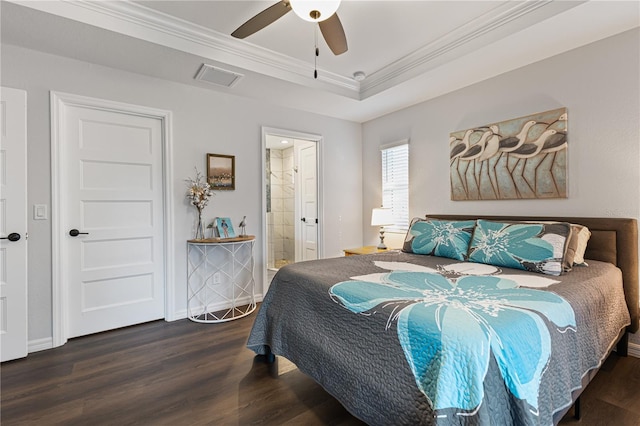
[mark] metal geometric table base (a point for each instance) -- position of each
(220, 280)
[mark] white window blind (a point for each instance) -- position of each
(395, 183)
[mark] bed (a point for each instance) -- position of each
(503, 346)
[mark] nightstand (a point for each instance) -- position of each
(364, 250)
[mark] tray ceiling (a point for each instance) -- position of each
(410, 51)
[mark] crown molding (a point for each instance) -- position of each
(172, 26)
(473, 34)
(147, 24)
(135, 20)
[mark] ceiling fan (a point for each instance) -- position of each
(321, 11)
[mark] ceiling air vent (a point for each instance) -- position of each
(218, 76)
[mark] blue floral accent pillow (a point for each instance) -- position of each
(444, 238)
(535, 247)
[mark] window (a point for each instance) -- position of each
(395, 183)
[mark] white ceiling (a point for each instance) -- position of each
(411, 51)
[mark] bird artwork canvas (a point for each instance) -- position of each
(521, 158)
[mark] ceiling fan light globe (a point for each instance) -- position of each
(314, 10)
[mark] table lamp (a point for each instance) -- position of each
(381, 217)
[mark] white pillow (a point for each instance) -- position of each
(582, 234)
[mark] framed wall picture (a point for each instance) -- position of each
(225, 227)
(520, 158)
(221, 171)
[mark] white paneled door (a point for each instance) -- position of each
(307, 166)
(13, 224)
(111, 206)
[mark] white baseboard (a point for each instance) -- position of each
(634, 349)
(40, 344)
(178, 315)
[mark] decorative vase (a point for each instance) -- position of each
(200, 227)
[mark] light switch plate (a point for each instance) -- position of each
(39, 211)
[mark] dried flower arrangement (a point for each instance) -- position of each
(198, 194)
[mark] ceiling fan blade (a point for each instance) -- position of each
(333, 34)
(262, 19)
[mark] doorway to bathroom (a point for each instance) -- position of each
(291, 199)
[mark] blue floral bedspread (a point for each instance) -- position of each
(412, 339)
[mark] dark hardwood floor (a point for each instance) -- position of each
(184, 373)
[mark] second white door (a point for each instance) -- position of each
(111, 203)
(308, 200)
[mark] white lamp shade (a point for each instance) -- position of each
(381, 216)
(314, 10)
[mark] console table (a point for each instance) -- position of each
(220, 279)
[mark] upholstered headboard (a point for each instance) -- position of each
(613, 240)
